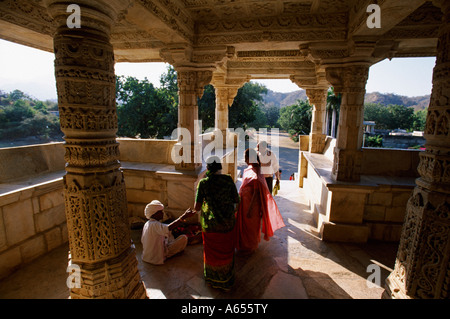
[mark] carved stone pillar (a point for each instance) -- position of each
(94, 190)
(190, 89)
(318, 99)
(224, 99)
(350, 81)
(422, 268)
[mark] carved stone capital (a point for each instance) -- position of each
(94, 15)
(193, 81)
(317, 97)
(348, 79)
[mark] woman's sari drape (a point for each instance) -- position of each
(263, 216)
(218, 195)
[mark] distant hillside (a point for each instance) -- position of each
(417, 102)
(284, 99)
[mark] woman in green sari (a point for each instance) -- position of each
(217, 199)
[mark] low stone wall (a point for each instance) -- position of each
(32, 223)
(21, 162)
(385, 209)
(146, 150)
(146, 181)
(390, 162)
(399, 141)
(373, 208)
(32, 216)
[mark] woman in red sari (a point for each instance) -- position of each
(258, 211)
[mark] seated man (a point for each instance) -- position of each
(158, 243)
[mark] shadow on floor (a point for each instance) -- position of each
(294, 264)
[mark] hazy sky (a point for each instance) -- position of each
(31, 71)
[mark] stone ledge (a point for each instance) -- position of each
(322, 165)
(350, 233)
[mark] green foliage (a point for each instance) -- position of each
(296, 119)
(144, 110)
(333, 100)
(22, 116)
(207, 108)
(245, 111)
(272, 114)
(389, 117)
(419, 120)
(373, 141)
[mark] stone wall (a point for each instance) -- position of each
(150, 174)
(32, 223)
(399, 141)
(32, 212)
(146, 150)
(27, 161)
(384, 211)
(373, 208)
(390, 162)
(32, 217)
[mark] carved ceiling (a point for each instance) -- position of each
(245, 39)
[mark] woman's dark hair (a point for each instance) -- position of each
(213, 164)
(251, 156)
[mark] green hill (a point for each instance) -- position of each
(284, 99)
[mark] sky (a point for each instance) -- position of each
(31, 71)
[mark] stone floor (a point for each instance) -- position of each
(294, 264)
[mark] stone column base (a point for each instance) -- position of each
(347, 165)
(393, 289)
(116, 278)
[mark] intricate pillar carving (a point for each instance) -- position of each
(190, 89)
(350, 81)
(318, 99)
(94, 189)
(422, 268)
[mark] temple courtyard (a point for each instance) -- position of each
(294, 264)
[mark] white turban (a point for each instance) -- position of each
(152, 208)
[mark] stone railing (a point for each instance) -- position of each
(32, 216)
(372, 208)
(150, 174)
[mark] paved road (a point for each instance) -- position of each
(286, 150)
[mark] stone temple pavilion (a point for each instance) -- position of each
(84, 190)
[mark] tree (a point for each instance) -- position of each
(377, 113)
(207, 107)
(22, 116)
(245, 111)
(400, 116)
(296, 118)
(419, 120)
(389, 117)
(144, 110)
(245, 107)
(333, 109)
(272, 114)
